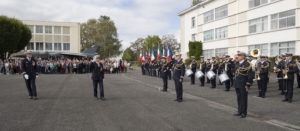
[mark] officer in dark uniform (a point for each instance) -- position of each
(178, 75)
(164, 67)
(263, 72)
(171, 63)
(220, 70)
(226, 67)
(242, 82)
(214, 67)
(279, 70)
(290, 70)
(193, 68)
(97, 77)
(202, 67)
(298, 74)
(29, 69)
(208, 66)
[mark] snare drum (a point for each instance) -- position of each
(223, 77)
(199, 74)
(188, 72)
(210, 75)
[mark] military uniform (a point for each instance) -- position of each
(208, 66)
(202, 68)
(193, 68)
(178, 74)
(281, 82)
(29, 69)
(226, 67)
(97, 77)
(214, 67)
(263, 67)
(164, 67)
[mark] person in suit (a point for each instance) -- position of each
(242, 82)
(178, 75)
(29, 69)
(290, 70)
(164, 67)
(202, 67)
(193, 68)
(263, 72)
(97, 77)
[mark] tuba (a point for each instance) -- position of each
(256, 53)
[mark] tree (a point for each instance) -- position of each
(14, 36)
(129, 55)
(195, 49)
(171, 40)
(151, 42)
(195, 2)
(101, 31)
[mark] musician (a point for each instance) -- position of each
(97, 77)
(226, 67)
(178, 75)
(280, 65)
(298, 74)
(219, 70)
(242, 82)
(263, 73)
(208, 66)
(202, 67)
(193, 68)
(164, 67)
(213, 68)
(290, 70)
(29, 69)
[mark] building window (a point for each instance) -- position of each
(283, 20)
(193, 22)
(208, 53)
(221, 33)
(262, 47)
(39, 29)
(39, 46)
(67, 46)
(282, 47)
(57, 46)
(48, 29)
(209, 35)
(258, 25)
(30, 46)
(57, 30)
(221, 52)
(208, 16)
(221, 12)
(66, 30)
(255, 3)
(193, 37)
(31, 28)
(49, 46)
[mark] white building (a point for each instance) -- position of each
(228, 26)
(54, 37)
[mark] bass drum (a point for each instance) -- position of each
(223, 77)
(199, 74)
(188, 72)
(210, 75)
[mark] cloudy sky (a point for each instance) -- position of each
(133, 18)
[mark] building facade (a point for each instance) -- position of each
(228, 26)
(54, 37)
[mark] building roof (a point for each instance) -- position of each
(203, 2)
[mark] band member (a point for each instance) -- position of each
(97, 77)
(280, 65)
(178, 75)
(263, 73)
(298, 74)
(29, 69)
(193, 68)
(164, 67)
(202, 67)
(242, 83)
(208, 66)
(290, 70)
(226, 67)
(214, 67)
(219, 70)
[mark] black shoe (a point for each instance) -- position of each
(282, 93)
(243, 116)
(258, 96)
(163, 90)
(237, 114)
(227, 90)
(263, 96)
(290, 101)
(285, 100)
(180, 100)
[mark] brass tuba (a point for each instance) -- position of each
(255, 52)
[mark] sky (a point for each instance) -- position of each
(133, 18)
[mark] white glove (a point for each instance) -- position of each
(37, 76)
(26, 76)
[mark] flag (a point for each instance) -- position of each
(143, 57)
(158, 52)
(140, 57)
(170, 53)
(164, 52)
(152, 54)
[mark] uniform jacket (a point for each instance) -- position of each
(178, 69)
(97, 71)
(29, 67)
(243, 75)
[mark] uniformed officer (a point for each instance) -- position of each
(290, 70)
(220, 70)
(193, 67)
(214, 67)
(263, 72)
(280, 65)
(97, 77)
(298, 74)
(202, 68)
(178, 75)
(242, 82)
(29, 69)
(208, 66)
(164, 67)
(226, 67)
